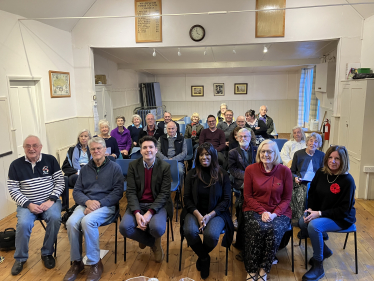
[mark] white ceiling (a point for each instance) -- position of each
(78, 8)
(289, 56)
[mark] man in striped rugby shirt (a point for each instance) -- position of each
(35, 182)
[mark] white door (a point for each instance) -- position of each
(25, 111)
(104, 105)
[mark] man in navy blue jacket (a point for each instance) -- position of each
(97, 191)
(35, 182)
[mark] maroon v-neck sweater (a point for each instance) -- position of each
(268, 192)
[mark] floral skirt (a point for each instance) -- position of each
(298, 200)
(262, 240)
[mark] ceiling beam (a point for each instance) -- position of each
(211, 65)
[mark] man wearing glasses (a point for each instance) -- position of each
(98, 189)
(239, 159)
(216, 137)
(227, 125)
(35, 182)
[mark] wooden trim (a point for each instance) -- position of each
(282, 4)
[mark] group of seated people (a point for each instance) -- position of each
(271, 193)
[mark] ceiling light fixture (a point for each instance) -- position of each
(233, 50)
(179, 52)
(205, 51)
(265, 49)
(154, 52)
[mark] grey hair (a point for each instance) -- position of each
(150, 114)
(104, 122)
(265, 107)
(97, 140)
(223, 104)
(83, 131)
(244, 130)
(303, 137)
(316, 136)
(275, 148)
(31, 136)
(121, 117)
(167, 112)
(136, 116)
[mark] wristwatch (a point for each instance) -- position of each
(53, 199)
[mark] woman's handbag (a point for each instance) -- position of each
(8, 239)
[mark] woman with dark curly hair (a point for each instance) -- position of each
(207, 198)
(331, 200)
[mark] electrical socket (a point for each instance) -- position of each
(368, 169)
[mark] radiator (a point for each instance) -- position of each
(62, 152)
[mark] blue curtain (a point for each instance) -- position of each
(306, 89)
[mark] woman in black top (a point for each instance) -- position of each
(207, 198)
(331, 200)
(258, 126)
(111, 143)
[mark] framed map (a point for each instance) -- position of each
(59, 83)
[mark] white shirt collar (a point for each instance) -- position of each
(40, 159)
(172, 137)
(146, 165)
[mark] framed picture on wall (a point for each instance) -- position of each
(197, 91)
(59, 83)
(240, 88)
(219, 89)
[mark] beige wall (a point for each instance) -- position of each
(126, 111)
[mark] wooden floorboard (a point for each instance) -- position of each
(340, 266)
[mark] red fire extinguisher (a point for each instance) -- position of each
(326, 129)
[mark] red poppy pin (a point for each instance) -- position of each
(335, 188)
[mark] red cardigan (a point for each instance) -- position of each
(268, 192)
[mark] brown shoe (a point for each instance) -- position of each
(142, 246)
(95, 272)
(157, 250)
(74, 270)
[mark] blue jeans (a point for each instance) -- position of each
(156, 227)
(88, 224)
(211, 232)
(25, 223)
(317, 228)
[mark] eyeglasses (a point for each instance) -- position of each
(212, 121)
(96, 148)
(266, 151)
(243, 137)
(28, 146)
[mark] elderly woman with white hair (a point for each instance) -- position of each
(135, 128)
(305, 164)
(296, 142)
(111, 143)
(194, 129)
(221, 112)
(267, 213)
(77, 157)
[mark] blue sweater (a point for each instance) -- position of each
(301, 161)
(134, 132)
(106, 186)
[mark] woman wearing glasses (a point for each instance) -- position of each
(207, 198)
(266, 207)
(331, 200)
(305, 164)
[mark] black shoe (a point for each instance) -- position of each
(17, 267)
(205, 266)
(49, 261)
(315, 273)
(326, 253)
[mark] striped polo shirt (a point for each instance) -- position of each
(37, 183)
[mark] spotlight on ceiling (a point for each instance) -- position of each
(265, 49)
(205, 51)
(179, 52)
(154, 52)
(234, 51)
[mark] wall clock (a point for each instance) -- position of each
(197, 33)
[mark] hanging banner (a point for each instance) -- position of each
(148, 28)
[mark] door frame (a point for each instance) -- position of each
(42, 134)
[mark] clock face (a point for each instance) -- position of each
(197, 33)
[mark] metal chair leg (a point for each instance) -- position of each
(171, 228)
(292, 253)
(306, 253)
(167, 241)
(115, 245)
(345, 242)
(356, 258)
(227, 259)
(180, 253)
(124, 249)
(55, 247)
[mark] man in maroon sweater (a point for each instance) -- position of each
(148, 199)
(217, 138)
